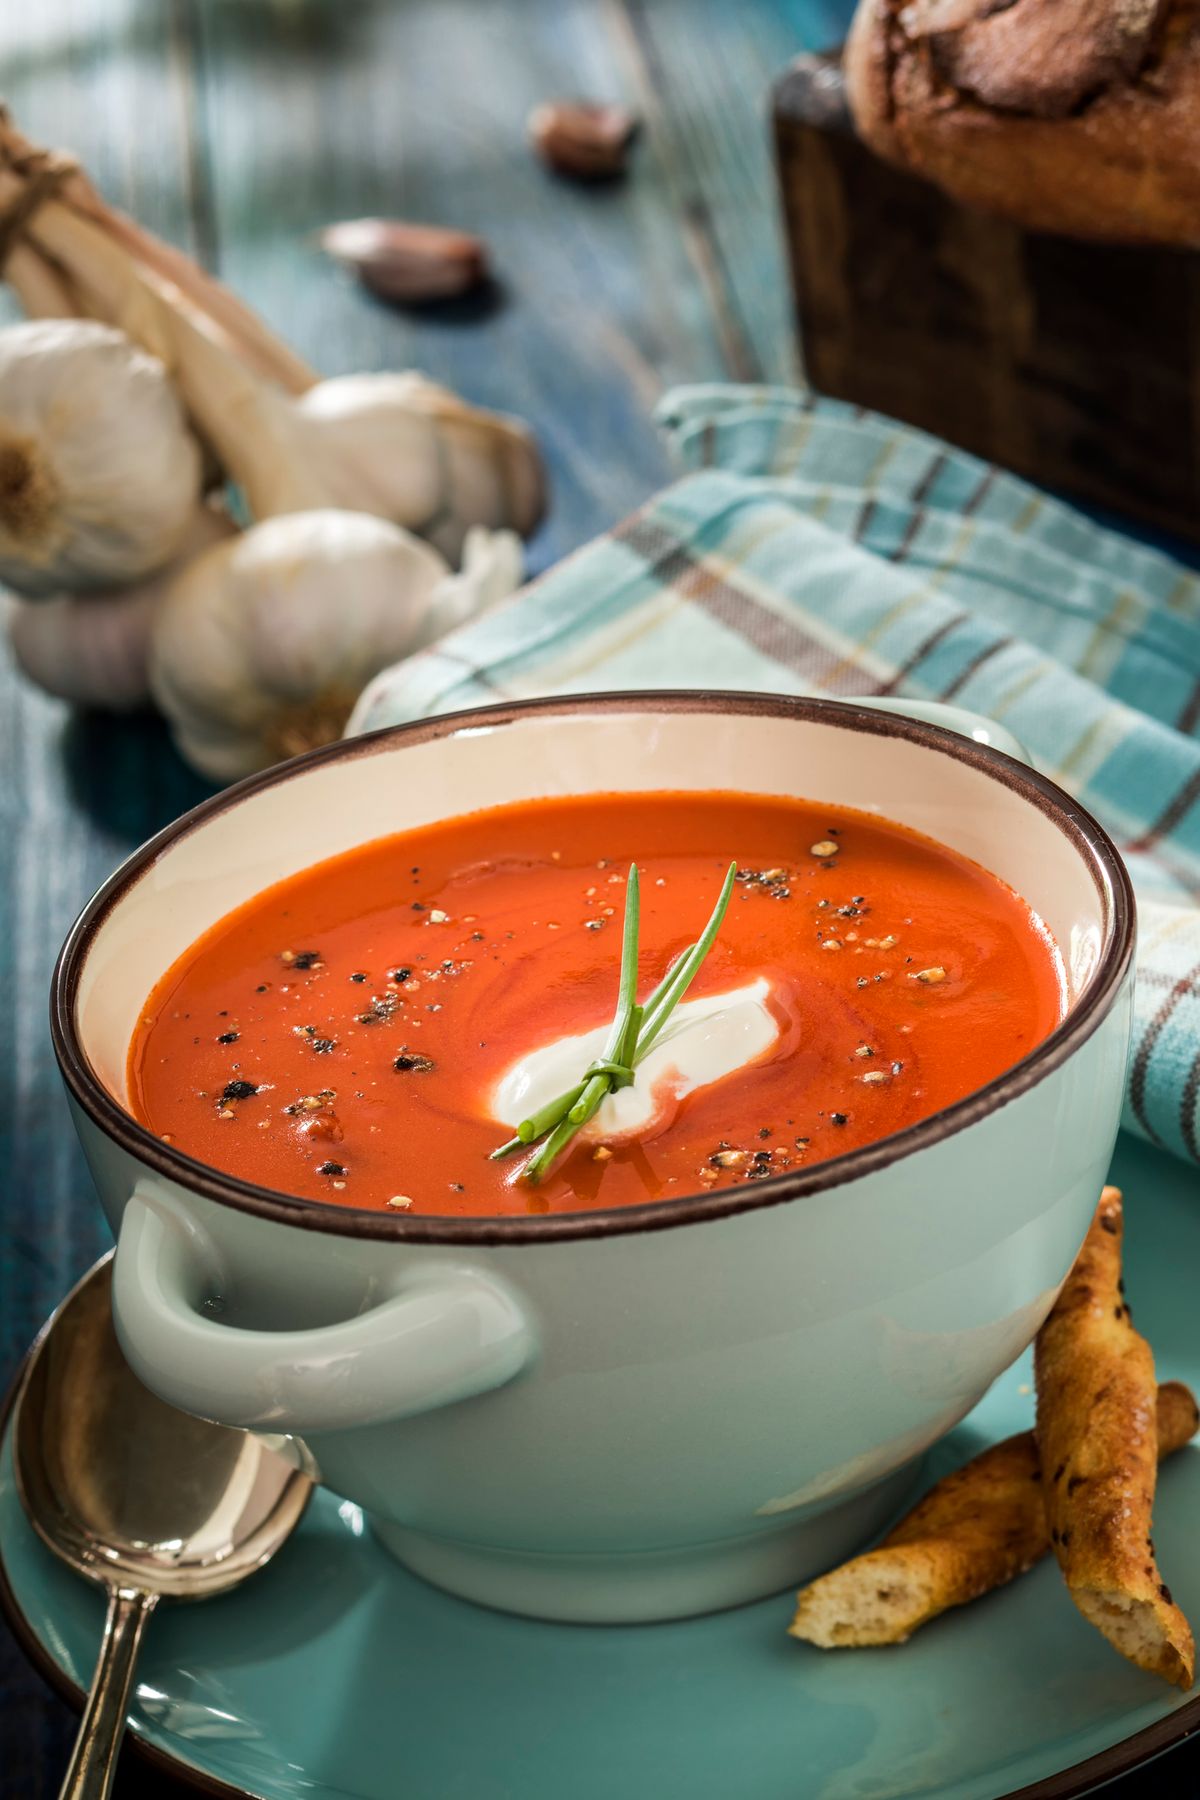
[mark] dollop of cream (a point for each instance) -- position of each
(704, 1041)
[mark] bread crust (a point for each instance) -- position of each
(1094, 1376)
(973, 1531)
(1080, 117)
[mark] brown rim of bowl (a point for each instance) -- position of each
(1088, 838)
(1071, 1783)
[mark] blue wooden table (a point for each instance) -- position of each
(238, 127)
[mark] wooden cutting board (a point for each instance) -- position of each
(1075, 364)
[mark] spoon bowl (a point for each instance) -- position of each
(135, 1495)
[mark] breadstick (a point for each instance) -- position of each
(1095, 1430)
(972, 1532)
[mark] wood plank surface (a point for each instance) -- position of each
(692, 59)
(237, 128)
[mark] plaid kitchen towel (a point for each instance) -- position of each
(816, 549)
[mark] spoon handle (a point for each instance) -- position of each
(94, 1758)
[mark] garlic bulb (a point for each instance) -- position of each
(405, 448)
(95, 650)
(99, 475)
(394, 445)
(263, 644)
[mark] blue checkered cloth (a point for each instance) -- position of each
(816, 549)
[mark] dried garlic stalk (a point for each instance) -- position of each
(394, 445)
(217, 309)
(263, 644)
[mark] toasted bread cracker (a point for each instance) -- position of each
(1096, 1437)
(972, 1532)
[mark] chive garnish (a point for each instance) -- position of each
(634, 1030)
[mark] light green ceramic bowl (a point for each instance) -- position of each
(653, 1411)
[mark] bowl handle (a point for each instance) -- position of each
(446, 1331)
(954, 718)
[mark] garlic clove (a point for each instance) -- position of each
(401, 261)
(94, 650)
(99, 474)
(263, 644)
(578, 138)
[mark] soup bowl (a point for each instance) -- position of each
(654, 1410)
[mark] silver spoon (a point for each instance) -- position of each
(131, 1493)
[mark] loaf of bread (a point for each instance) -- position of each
(1074, 116)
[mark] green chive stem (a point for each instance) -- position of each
(550, 1151)
(547, 1117)
(589, 1099)
(590, 1104)
(628, 1049)
(661, 1005)
(627, 983)
(634, 1029)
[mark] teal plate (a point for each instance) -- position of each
(336, 1674)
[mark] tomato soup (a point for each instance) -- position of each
(344, 1035)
